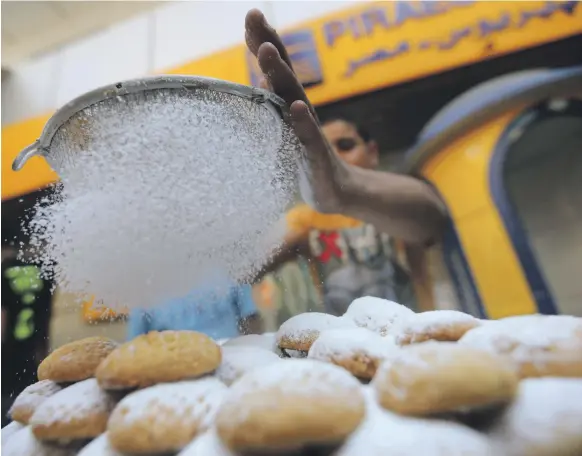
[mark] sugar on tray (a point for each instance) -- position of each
(169, 185)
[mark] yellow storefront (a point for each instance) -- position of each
(395, 63)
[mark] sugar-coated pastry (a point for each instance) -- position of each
(440, 377)
(166, 417)
(30, 398)
(290, 405)
(376, 314)
(358, 350)
(159, 357)
(439, 325)
(538, 345)
(300, 331)
(77, 412)
(544, 420)
(76, 361)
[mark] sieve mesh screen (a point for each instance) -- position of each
(159, 189)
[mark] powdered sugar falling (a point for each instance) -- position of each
(160, 187)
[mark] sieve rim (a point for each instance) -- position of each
(42, 145)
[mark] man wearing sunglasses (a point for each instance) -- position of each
(353, 208)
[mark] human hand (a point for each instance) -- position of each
(324, 176)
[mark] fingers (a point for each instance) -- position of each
(258, 31)
(281, 77)
(306, 127)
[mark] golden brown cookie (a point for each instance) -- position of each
(440, 377)
(79, 411)
(544, 420)
(439, 325)
(30, 398)
(385, 434)
(164, 418)
(158, 357)
(376, 314)
(290, 405)
(300, 331)
(207, 444)
(538, 345)
(357, 350)
(75, 361)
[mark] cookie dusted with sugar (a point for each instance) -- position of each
(9, 430)
(376, 314)
(30, 398)
(207, 444)
(300, 331)
(358, 350)
(544, 420)
(99, 447)
(539, 345)
(76, 361)
(440, 377)
(79, 411)
(237, 360)
(290, 405)
(24, 443)
(159, 357)
(385, 434)
(265, 341)
(166, 417)
(439, 325)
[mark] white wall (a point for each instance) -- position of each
(168, 36)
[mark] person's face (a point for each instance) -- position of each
(349, 146)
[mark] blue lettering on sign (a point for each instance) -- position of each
(365, 23)
(483, 28)
(302, 52)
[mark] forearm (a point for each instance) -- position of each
(399, 205)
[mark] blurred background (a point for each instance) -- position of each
(515, 241)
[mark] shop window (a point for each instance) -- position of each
(542, 178)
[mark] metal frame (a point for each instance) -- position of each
(41, 146)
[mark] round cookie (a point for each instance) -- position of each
(544, 420)
(237, 360)
(439, 325)
(265, 341)
(164, 418)
(440, 377)
(207, 444)
(385, 434)
(30, 398)
(9, 430)
(538, 345)
(79, 411)
(23, 443)
(99, 447)
(358, 350)
(159, 357)
(376, 314)
(75, 361)
(290, 405)
(300, 331)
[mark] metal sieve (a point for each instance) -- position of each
(73, 127)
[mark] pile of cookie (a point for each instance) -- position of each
(379, 381)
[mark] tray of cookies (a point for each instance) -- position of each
(380, 380)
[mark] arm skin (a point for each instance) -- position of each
(403, 206)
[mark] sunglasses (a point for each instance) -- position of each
(345, 144)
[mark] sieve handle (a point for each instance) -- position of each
(25, 154)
